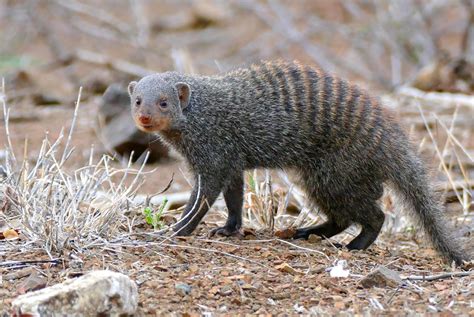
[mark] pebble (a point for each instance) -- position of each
(183, 289)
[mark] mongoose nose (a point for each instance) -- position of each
(144, 119)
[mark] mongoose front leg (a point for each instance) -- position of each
(234, 197)
(205, 191)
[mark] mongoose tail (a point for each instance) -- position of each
(409, 177)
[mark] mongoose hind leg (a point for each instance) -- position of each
(234, 197)
(371, 223)
(325, 230)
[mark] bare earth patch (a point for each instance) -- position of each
(196, 275)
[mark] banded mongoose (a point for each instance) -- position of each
(341, 142)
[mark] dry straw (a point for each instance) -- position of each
(56, 209)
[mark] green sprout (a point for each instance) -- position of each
(251, 182)
(154, 218)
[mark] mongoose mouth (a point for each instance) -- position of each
(147, 127)
(154, 125)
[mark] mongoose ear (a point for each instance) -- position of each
(131, 87)
(184, 92)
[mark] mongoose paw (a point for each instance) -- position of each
(182, 231)
(301, 234)
(226, 232)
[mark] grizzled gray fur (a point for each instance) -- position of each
(342, 143)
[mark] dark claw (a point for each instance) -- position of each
(226, 232)
(181, 231)
(301, 234)
(338, 245)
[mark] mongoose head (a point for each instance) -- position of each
(157, 104)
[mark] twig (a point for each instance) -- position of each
(436, 277)
(440, 156)
(97, 13)
(73, 124)
(302, 248)
(469, 7)
(438, 97)
(219, 252)
(24, 262)
(6, 115)
(115, 64)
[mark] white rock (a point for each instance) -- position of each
(98, 292)
(339, 270)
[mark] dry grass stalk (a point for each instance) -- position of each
(266, 208)
(56, 209)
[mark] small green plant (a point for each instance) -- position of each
(154, 218)
(10, 62)
(251, 182)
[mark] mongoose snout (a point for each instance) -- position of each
(342, 143)
(144, 119)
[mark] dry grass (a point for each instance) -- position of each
(56, 209)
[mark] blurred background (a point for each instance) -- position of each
(410, 52)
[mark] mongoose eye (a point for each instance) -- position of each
(163, 104)
(138, 101)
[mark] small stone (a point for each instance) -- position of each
(314, 238)
(381, 277)
(42, 99)
(183, 289)
(3, 170)
(96, 293)
(33, 282)
(223, 309)
(279, 296)
(19, 274)
(226, 290)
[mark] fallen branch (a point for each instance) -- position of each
(25, 262)
(302, 248)
(115, 64)
(98, 59)
(438, 97)
(436, 277)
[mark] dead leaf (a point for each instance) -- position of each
(248, 232)
(242, 277)
(339, 305)
(285, 267)
(214, 290)
(10, 234)
(161, 268)
(286, 233)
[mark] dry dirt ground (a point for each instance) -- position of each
(199, 275)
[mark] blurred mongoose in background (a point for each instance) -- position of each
(340, 141)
